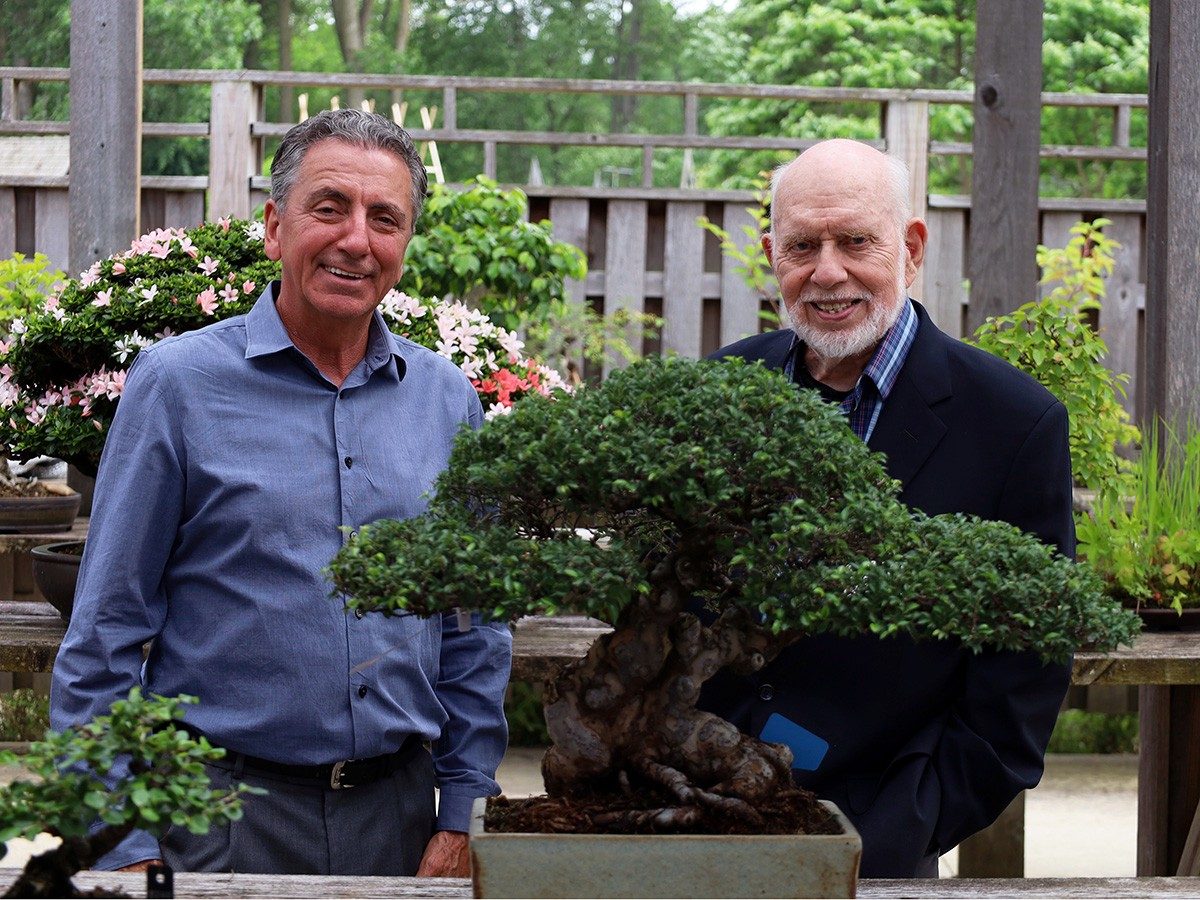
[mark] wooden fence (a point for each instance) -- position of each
(644, 248)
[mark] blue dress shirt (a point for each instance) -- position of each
(233, 472)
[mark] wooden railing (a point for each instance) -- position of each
(644, 248)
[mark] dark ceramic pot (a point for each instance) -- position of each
(55, 571)
(38, 515)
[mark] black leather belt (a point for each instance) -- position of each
(346, 773)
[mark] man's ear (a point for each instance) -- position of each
(916, 235)
(271, 233)
(767, 249)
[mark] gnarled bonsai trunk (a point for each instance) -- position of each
(625, 715)
(49, 875)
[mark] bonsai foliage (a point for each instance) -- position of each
(63, 369)
(713, 514)
(166, 785)
(1052, 340)
(1145, 541)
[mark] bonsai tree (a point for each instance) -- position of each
(712, 514)
(166, 784)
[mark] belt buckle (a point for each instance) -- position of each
(335, 775)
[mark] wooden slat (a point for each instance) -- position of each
(1119, 311)
(8, 222)
(231, 150)
(739, 301)
(945, 281)
(906, 130)
(51, 231)
(1056, 233)
(683, 276)
(570, 218)
(625, 264)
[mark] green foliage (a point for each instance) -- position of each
(575, 330)
(475, 245)
(24, 715)
(166, 785)
(756, 494)
(1052, 341)
(1143, 536)
(24, 286)
(526, 720)
(1079, 731)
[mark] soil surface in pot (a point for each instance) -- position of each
(791, 812)
(19, 487)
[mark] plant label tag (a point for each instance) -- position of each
(808, 750)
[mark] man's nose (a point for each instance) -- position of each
(355, 236)
(829, 271)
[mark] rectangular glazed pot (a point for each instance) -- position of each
(643, 865)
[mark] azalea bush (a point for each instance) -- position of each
(63, 367)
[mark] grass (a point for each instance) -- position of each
(1079, 731)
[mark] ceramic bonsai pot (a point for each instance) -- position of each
(55, 570)
(645, 865)
(38, 515)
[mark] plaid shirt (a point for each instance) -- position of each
(863, 404)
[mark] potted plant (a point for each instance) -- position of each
(1143, 535)
(728, 515)
(166, 785)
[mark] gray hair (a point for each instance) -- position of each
(368, 130)
(899, 184)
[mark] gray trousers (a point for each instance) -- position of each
(298, 829)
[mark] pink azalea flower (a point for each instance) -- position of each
(224, 223)
(91, 276)
(118, 268)
(248, 287)
(229, 293)
(208, 301)
(186, 245)
(104, 298)
(209, 266)
(150, 293)
(160, 251)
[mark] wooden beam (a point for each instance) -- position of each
(1172, 360)
(233, 151)
(106, 123)
(1007, 136)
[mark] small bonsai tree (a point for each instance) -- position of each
(710, 488)
(166, 785)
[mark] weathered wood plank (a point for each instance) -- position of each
(1007, 133)
(106, 155)
(232, 149)
(906, 131)
(683, 279)
(570, 218)
(1119, 313)
(625, 265)
(317, 887)
(51, 227)
(945, 280)
(1056, 233)
(739, 301)
(8, 222)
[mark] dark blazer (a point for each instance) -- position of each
(927, 743)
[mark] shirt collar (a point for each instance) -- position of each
(265, 333)
(884, 366)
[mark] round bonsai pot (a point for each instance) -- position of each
(38, 515)
(55, 570)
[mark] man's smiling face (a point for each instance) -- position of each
(342, 234)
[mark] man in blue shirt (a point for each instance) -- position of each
(919, 744)
(241, 457)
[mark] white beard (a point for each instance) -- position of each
(882, 313)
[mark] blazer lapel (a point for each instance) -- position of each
(908, 429)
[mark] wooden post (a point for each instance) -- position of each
(1002, 260)
(232, 150)
(906, 131)
(1170, 725)
(106, 128)
(1172, 231)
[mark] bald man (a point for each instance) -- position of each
(920, 744)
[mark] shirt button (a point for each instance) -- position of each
(349, 462)
(359, 613)
(766, 692)
(362, 691)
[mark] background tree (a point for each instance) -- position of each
(711, 485)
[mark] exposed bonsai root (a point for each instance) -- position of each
(667, 818)
(677, 783)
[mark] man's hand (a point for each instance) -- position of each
(446, 856)
(142, 866)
